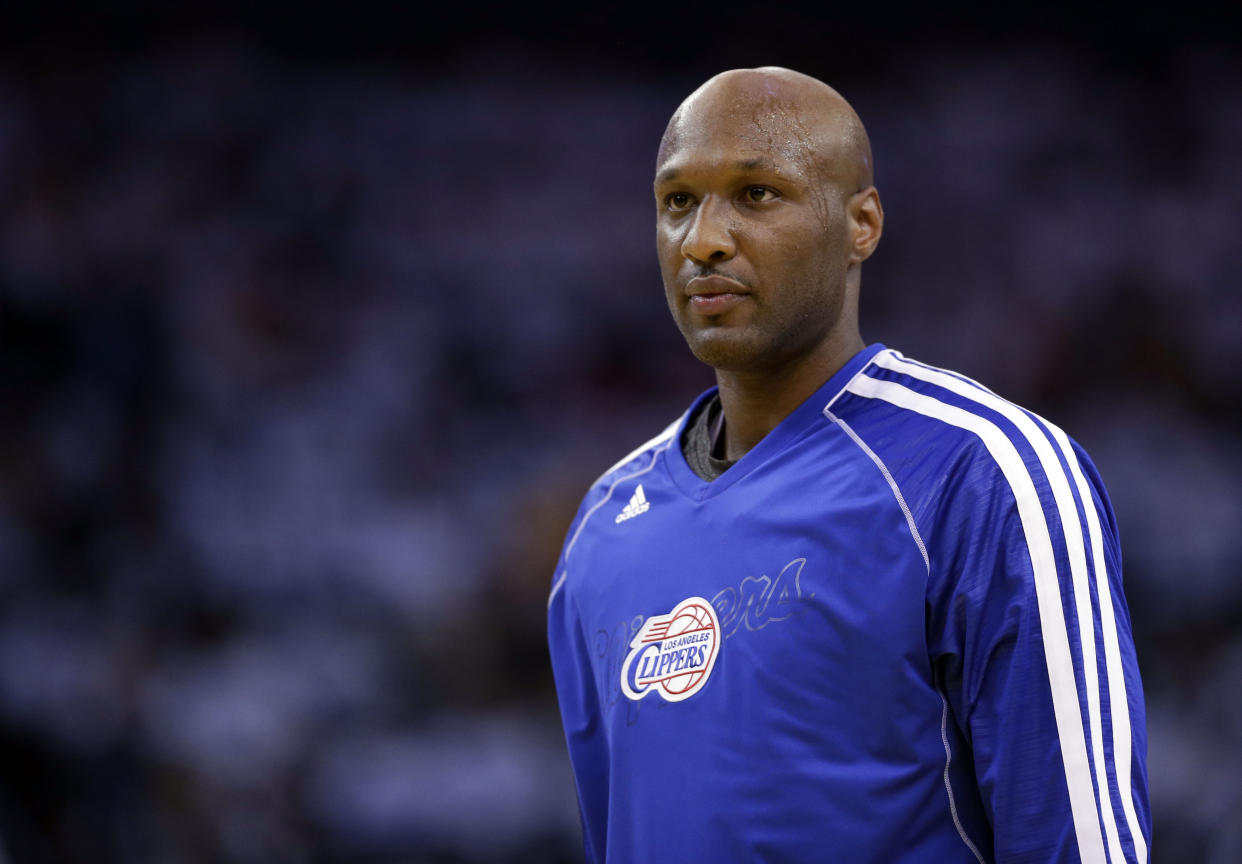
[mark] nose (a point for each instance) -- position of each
(709, 239)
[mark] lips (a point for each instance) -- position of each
(714, 284)
(715, 294)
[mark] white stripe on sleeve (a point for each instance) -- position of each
(1119, 701)
(1072, 527)
(1057, 655)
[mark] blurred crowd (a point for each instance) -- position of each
(304, 367)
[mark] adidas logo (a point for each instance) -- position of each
(638, 505)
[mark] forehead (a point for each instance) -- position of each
(739, 130)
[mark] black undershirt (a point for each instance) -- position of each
(703, 441)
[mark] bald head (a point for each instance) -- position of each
(786, 112)
(765, 212)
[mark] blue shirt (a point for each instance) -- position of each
(893, 631)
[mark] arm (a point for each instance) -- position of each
(580, 713)
(1031, 631)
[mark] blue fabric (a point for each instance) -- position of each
(880, 690)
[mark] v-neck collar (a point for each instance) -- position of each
(792, 428)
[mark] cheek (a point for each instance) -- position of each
(668, 250)
(823, 242)
(800, 257)
(806, 275)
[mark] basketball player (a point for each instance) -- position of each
(848, 607)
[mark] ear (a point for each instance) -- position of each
(866, 223)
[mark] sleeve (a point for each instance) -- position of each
(578, 697)
(1029, 629)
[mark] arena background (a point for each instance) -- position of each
(315, 325)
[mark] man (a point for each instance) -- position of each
(849, 607)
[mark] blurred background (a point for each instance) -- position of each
(316, 325)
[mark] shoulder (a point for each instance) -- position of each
(642, 457)
(958, 407)
(909, 413)
(634, 465)
(642, 460)
(646, 456)
(945, 437)
(934, 407)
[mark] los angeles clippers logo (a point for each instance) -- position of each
(673, 654)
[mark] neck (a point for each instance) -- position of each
(755, 402)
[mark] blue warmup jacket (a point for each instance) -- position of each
(894, 631)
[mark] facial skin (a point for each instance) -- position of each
(765, 212)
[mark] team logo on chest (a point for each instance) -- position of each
(673, 654)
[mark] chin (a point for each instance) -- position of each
(723, 350)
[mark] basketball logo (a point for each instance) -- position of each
(673, 654)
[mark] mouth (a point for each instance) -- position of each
(714, 283)
(715, 294)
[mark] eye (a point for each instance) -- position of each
(760, 194)
(678, 201)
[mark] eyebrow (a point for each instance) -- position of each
(755, 163)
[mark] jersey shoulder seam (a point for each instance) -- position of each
(892, 485)
(652, 444)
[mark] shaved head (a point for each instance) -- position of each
(765, 212)
(785, 112)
